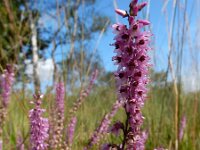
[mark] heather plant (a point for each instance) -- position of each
(20, 142)
(131, 46)
(104, 126)
(6, 82)
(59, 136)
(182, 127)
(39, 126)
(57, 124)
(70, 132)
(83, 94)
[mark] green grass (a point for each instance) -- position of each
(158, 112)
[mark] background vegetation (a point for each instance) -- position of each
(61, 31)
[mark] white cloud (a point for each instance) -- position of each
(191, 81)
(45, 70)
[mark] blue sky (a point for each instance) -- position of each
(160, 30)
(157, 25)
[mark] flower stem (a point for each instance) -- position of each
(125, 130)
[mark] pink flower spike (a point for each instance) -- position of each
(182, 127)
(71, 130)
(122, 13)
(60, 95)
(39, 126)
(132, 46)
(6, 82)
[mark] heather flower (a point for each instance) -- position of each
(6, 82)
(182, 127)
(39, 126)
(134, 8)
(60, 94)
(20, 144)
(121, 12)
(117, 126)
(131, 47)
(84, 93)
(110, 147)
(104, 126)
(136, 143)
(57, 125)
(70, 131)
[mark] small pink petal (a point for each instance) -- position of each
(122, 13)
(142, 5)
(144, 22)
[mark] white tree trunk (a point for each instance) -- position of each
(35, 56)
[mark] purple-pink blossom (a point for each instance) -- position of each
(136, 142)
(110, 147)
(39, 126)
(60, 94)
(20, 142)
(104, 125)
(57, 123)
(122, 13)
(182, 127)
(84, 93)
(116, 127)
(6, 82)
(131, 47)
(70, 130)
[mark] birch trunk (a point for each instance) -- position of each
(35, 56)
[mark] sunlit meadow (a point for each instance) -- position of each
(99, 75)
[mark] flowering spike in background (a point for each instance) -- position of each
(182, 127)
(60, 94)
(57, 123)
(6, 82)
(20, 142)
(104, 125)
(70, 131)
(39, 126)
(84, 93)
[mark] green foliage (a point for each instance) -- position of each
(158, 112)
(13, 30)
(16, 33)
